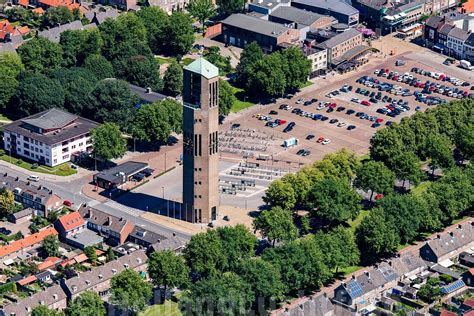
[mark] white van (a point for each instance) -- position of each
(33, 178)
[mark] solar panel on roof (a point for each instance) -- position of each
(354, 288)
(450, 288)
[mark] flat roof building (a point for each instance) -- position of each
(49, 137)
(339, 9)
(118, 175)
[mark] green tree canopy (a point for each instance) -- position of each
(11, 64)
(114, 102)
(213, 55)
(297, 68)
(301, 184)
(130, 291)
(78, 45)
(440, 149)
(226, 97)
(251, 54)
(40, 55)
(88, 303)
(267, 76)
(376, 177)
(7, 201)
(37, 93)
(56, 16)
(276, 224)
(43, 310)
(143, 71)
(51, 246)
(179, 34)
(406, 166)
(376, 237)
(173, 80)
(280, 193)
(168, 269)
(155, 21)
(108, 141)
(99, 66)
(151, 123)
(465, 140)
(204, 254)
(8, 86)
(225, 294)
(333, 200)
(227, 7)
(202, 10)
(91, 253)
(237, 243)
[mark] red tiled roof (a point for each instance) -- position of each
(48, 263)
(27, 280)
(71, 221)
(24, 30)
(447, 313)
(67, 262)
(470, 313)
(469, 302)
(26, 242)
(39, 11)
(471, 271)
(6, 28)
(60, 3)
(81, 258)
(24, 3)
(467, 7)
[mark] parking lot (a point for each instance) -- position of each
(333, 121)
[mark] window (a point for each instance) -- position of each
(73, 146)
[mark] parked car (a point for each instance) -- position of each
(320, 140)
(273, 112)
(350, 111)
(333, 121)
(33, 178)
(310, 137)
(365, 102)
(67, 203)
(351, 127)
(327, 141)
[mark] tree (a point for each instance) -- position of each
(228, 7)
(464, 140)
(114, 102)
(297, 68)
(43, 310)
(143, 71)
(338, 247)
(405, 211)
(40, 55)
(225, 294)
(341, 164)
(406, 166)
(78, 84)
(155, 20)
(91, 253)
(51, 246)
(37, 93)
(214, 56)
(151, 123)
(376, 237)
(179, 34)
(430, 291)
(8, 86)
(202, 10)
(276, 224)
(386, 143)
(333, 200)
(10, 64)
(99, 66)
(251, 54)
(300, 263)
(376, 177)
(108, 141)
(264, 279)
(173, 80)
(204, 254)
(7, 201)
(130, 291)
(440, 150)
(226, 97)
(88, 303)
(55, 16)
(175, 114)
(168, 269)
(78, 45)
(280, 194)
(238, 243)
(110, 254)
(268, 77)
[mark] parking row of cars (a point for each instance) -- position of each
(142, 174)
(440, 76)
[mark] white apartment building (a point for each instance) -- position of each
(456, 39)
(50, 137)
(318, 58)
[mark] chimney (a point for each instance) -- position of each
(148, 90)
(5, 174)
(325, 294)
(451, 234)
(174, 234)
(353, 277)
(55, 296)
(367, 274)
(390, 263)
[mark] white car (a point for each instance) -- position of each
(341, 124)
(326, 141)
(33, 178)
(376, 72)
(300, 101)
(355, 100)
(320, 107)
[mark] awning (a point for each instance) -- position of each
(446, 263)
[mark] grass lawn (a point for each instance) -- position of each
(356, 222)
(186, 61)
(4, 118)
(350, 269)
(164, 60)
(241, 102)
(169, 308)
(62, 170)
(306, 84)
(422, 187)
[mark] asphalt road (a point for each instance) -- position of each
(71, 190)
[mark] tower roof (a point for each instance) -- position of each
(204, 68)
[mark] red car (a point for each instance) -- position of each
(281, 122)
(320, 140)
(378, 196)
(365, 102)
(332, 105)
(67, 203)
(388, 106)
(379, 120)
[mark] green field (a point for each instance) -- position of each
(3, 118)
(349, 270)
(62, 170)
(306, 84)
(170, 308)
(164, 60)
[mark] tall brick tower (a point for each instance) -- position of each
(200, 142)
